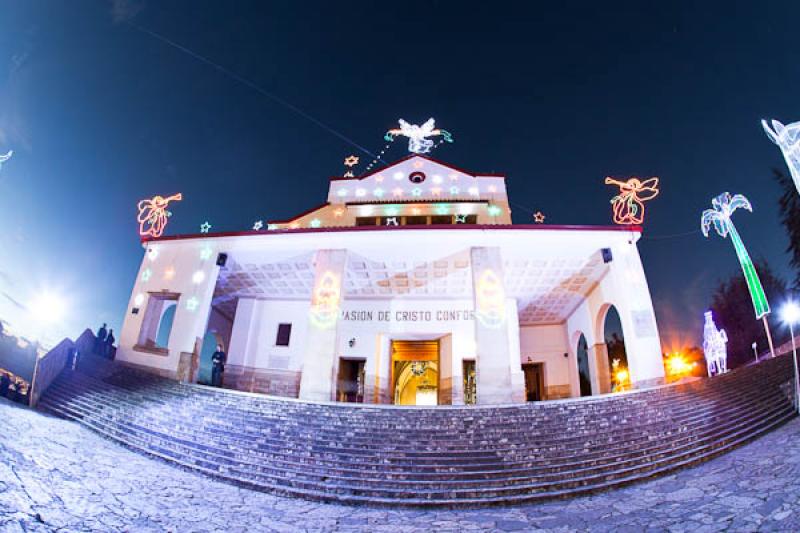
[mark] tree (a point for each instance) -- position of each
(733, 312)
(789, 209)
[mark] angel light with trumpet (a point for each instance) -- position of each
(628, 205)
(153, 214)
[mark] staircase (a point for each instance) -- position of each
(445, 456)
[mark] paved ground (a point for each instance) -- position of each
(58, 476)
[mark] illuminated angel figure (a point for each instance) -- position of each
(4, 158)
(788, 139)
(418, 141)
(720, 219)
(628, 205)
(153, 214)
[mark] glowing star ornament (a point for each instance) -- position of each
(392, 221)
(720, 218)
(153, 215)
(538, 217)
(206, 253)
(192, 304)
(351, 161)
(628, 205)
(418, 142)
(714, 341)
(258, 225)
(461, 219)
(788, 139)
(205, 227)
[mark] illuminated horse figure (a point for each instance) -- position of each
(714, 341)
(418, 142)
(153, 215)
(628, 205)
(788, 139)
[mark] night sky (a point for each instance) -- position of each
(101, 114)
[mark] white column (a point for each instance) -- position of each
(318, 382)
(492, 362)
(244, 335)
(599, 370)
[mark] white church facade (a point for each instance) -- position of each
(410, 286)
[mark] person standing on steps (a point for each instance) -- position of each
(5, 383)
(109, 346)
(100, 341)
(217, 367)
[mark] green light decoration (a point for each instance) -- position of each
(720, 218)
(494, 210)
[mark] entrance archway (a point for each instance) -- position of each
(415, 372)
(210, 342)
(610, 331)
(582, 353)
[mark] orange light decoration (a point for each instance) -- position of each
(490, 300)
(628, 205)
(338, 212)
(325, 301)
(169, 273)
(678, 367)
(153, 215)
(351, 161)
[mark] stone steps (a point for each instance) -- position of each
(456, 456)
(243, 422)
(232, 461)
(232, 441)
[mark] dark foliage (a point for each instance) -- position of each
(789, 205)
(733, 311)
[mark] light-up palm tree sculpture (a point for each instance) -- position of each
(720, 218)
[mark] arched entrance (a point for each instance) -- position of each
(415, 372)
(210, 342)
(610, 331)
(584, 377)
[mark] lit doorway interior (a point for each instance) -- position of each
(350, 383)
(415, 372)
(534, 381)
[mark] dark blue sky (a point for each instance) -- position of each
(101, 114)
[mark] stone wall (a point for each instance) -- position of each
(275, 382)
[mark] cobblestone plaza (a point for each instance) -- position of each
(58, 476)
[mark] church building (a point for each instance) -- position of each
(410, 285)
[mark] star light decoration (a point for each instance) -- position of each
(192, 303)
(205, 227)
(206, 253)
(628, 205)
(418, 142)
(538, 217)
(258, 225)
(153, 214)
(788, 139)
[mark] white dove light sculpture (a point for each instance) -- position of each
(4, 158)
(418, 142)
(788, 139)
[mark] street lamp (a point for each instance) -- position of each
(791, 314)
